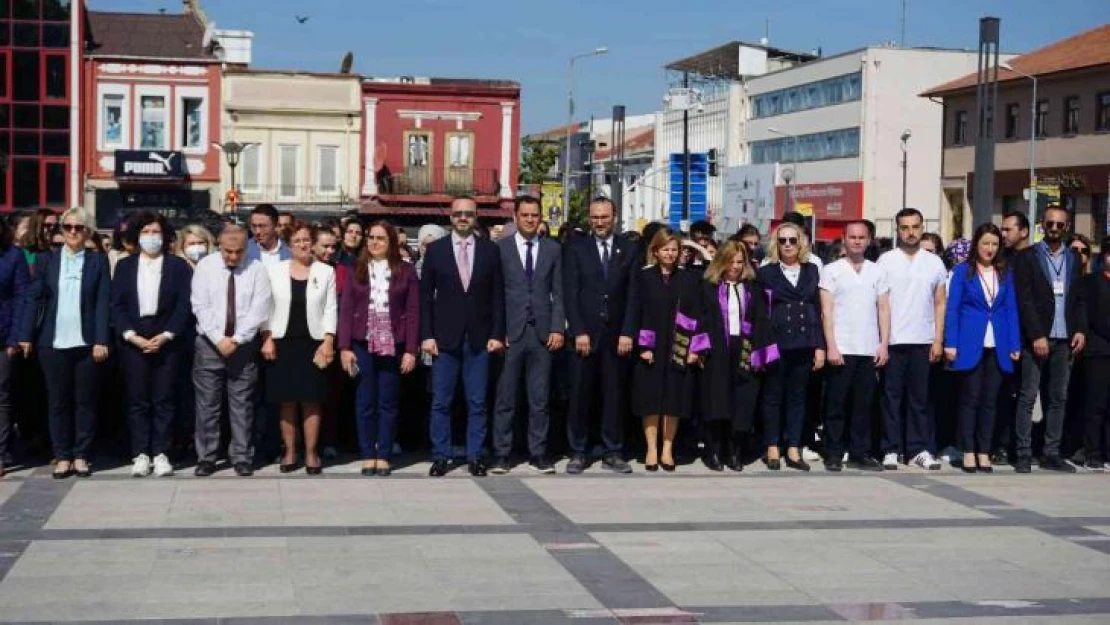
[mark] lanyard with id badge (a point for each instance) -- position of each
(1058, 275)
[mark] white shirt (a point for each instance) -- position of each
(792, 273)
(913, 281)
(600, 252)
(470, 241)
(855, 305)
(988, 280)
(379, 285)
(253, 298)
(149, 282)
(270, 259)
(735, 307)
(522, 249)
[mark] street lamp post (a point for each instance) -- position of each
(905, 163)
(1032, 147)
(233, 150)
(793, 180)
(570, 122)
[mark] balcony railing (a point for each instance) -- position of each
(292, 194)
(451, 181)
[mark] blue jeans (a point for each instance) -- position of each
(474, 365)
(376, 396)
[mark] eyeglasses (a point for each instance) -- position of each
(73, 227)
(466, 214)
(1055, 225)
(1081, 250)
(788, 240)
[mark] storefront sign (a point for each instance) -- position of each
(749, 195)
(839, 201)
(149, 164)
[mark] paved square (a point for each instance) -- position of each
(1046, 493)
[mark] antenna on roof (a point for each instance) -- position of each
(766, 39)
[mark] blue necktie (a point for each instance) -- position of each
(529, 267)
(605, 259)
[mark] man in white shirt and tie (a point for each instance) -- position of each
(231, 299)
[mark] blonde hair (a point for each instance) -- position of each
(722, 262)
(803, 244)
(661, 239)
(81, 215)
(194, 230)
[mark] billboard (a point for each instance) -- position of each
(749, 196)
(840, 201)
(551, 205)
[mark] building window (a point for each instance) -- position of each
(111, 115)
(5, 59)
(327, 169)
(1042, 117)
(152, 125)
(827, 92)
(959, 129)
(1102, 111)
(288, 155)
(192, 122)
(55, 84)
(419, 150)
(459, 152)
(813, 147)
(1071, 115)
(249, 179)
(1013, 117)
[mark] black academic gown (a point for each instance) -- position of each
(663, 387)
(731, 378)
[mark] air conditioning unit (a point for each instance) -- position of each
(408, 80)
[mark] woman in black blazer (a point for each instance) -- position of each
(792, 287)
(67, 315)
(13, 296)
(150, 309)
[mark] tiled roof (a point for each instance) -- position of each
(557, 134)
(1087, 49)
(147, 35)
(640, 140)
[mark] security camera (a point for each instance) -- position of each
(700, 108)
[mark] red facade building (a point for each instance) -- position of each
(429, 140)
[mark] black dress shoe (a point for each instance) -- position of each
(477, 468)
(369, 471)
(500, 466)
(968, 468)
(1056, 463)
(713, 463)
(244, 469)
(616, 464)
(540, 464)
(986, 469)
(576, 465)
(1023, 464)
(669, 468)
(798, 464)
(317, 470)
(834, 465)
(385, 471)
(736, 463)
(773, 465)
(205, 468)
(651, 468)
(439, 468)
(1000, 457)
(864, 463)
(288, 468)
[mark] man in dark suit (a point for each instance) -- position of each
(462, 321)
(532, 268)
(596, 269)
(1053, 332)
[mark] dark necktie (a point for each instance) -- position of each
(605, 259)
(229, 324)
(529, 264)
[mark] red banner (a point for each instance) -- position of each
(840, 201)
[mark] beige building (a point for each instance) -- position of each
(1071, 155)
(303, 132)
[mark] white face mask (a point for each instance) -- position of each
(196, 252)
(151, 243)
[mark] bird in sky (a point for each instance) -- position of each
(301, 20)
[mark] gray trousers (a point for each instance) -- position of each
(1052, 376)
(528, 356)
(212, 375)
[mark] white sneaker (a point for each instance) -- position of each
(926, 461)
(809, 455)
(890, 462)
(141, 466)
(162, 466)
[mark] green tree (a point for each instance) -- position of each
(536, 160)
(579, 208)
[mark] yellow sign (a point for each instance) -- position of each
(805, 209)
(551, 204)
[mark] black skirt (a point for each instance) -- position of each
(293, 376)
(661, 388)
(738, 400)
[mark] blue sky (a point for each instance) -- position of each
(530, 41)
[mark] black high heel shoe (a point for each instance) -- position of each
(288, 468)
(669, 468)
(317, 470)
(773, 464)
(798, 465)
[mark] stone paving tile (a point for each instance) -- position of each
(620, 500)
(1050, 494)
(8, 488)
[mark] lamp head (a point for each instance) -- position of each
(601, 50)
(906, 134)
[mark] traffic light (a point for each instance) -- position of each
(712, 162)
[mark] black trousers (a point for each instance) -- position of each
(603, 366)
(5, 405)
(907, 379)
(1096, 439)
(978, 402)
(71, 381)
(852, 382)
(1007, 411)
(151, 400)
(784, 398)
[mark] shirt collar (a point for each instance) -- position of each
(521, 241)
(72, 255)
(456, 239)
(607, 240)
(276, 250)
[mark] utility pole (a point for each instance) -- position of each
(686, 150)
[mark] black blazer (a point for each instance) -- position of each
(1037, 304)
(42, 300)
(173, 300)
(795, 310)
(447, 312)
(596, 303)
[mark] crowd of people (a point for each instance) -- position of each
(280, 341)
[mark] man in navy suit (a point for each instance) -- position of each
(596, 269)
(462, 322)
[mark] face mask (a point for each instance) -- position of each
(196, 252)
(151, 243)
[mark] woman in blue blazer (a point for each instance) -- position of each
(150, 311)
(982, 340)
(67, 316)
(13, 293)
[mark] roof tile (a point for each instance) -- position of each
(147, 35)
